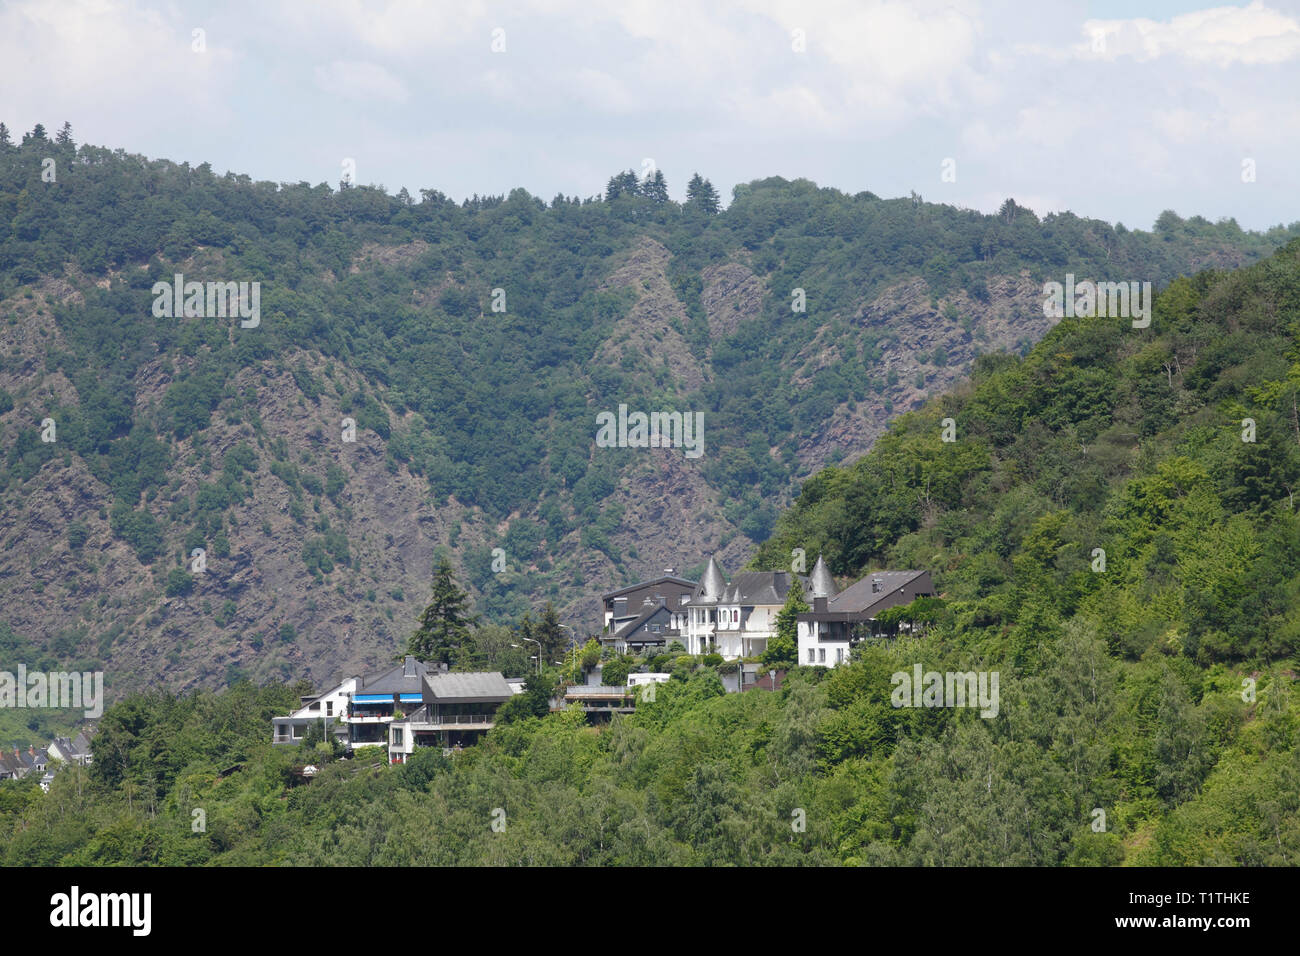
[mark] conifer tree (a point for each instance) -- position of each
(444, 632)
(655, 187)
(700, 194)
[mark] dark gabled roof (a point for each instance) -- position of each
(760, 587)
(631, 627)
(645, 584)
(405, 678)
(859, 597)
(748, 587)
(471, 686)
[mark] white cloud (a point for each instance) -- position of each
(1254, 34)
(356, 80)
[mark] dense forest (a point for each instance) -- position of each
(471, 345)
(1112, 529)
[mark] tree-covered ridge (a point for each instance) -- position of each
(383, 309)
(1174, 449)
(1147, 709)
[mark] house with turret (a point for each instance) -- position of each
(736, 617)
(839, 619)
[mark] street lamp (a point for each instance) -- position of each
(539, 651)
(573, 638)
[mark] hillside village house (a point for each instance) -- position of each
(739, 616)
(839, 618)
(401, 708)
(647, 616)
(66, 751)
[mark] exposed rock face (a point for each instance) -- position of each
(259, 610)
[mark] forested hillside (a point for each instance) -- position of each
(1147, 715)
(473, 345)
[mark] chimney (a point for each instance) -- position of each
(31, 750)
(876, 585)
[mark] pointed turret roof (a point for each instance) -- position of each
(823, 585)
(714, 583)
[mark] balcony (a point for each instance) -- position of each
(422, 721)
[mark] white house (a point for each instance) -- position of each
(326, 709)
(838, 619)
(736, 618)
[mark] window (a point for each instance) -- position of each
(839, 655)
(397, 736)
(735, 617)
(812, 655)
(329, 708)
(821, 655)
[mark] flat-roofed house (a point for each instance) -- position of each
(456, 709)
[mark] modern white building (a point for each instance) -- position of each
(401, 708)
(326, 709)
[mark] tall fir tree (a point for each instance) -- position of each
(444, 634)
(624, 183)
(655, 187)
(554, 638)
(700, 194)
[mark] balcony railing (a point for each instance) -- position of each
(435, 720)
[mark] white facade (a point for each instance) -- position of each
(820, 653)
(738, 631)
(330, 708)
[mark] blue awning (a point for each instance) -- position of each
(410, 698)
(373, 699)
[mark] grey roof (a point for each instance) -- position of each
(760, 587)
(405, 678)
(668, 578)
(823, 585)
(476, 685)
(859, 597)
(710, 589)
(631, 627)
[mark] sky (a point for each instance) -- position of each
(1116, 110)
